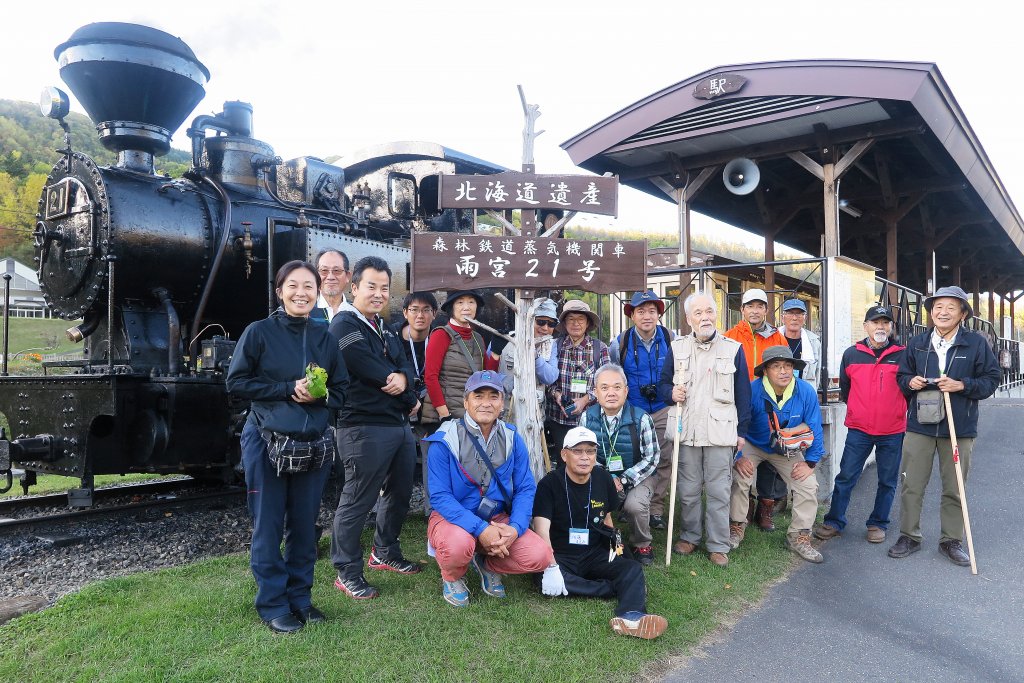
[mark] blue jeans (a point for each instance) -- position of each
(888, 451)
(285, 507)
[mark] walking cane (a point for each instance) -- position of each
(672, 484)
(960, 481)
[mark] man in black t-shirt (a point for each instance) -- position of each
(572, 512)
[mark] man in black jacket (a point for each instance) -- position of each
(376, 445)
(948, 359)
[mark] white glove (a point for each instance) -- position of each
(553, 583)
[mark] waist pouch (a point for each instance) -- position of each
(290, 456)
(788, 441)
(931, 407)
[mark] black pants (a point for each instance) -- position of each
(554, 434)
(374, 457)
(769, 484)
(592, 575)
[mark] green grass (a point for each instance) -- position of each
(44, 335)
(52, 483)
(197, 623)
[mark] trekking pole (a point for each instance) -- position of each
(672, 484)
(960, 481)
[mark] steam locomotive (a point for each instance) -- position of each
(164, 272)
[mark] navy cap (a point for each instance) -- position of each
(641, 298)
(794, 304)
(876, 312)
(485, 379)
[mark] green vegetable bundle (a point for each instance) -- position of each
(317, 377)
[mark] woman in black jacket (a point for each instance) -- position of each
(269, 368)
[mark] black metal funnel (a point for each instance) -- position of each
(138, 84)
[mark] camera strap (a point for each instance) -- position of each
(490, 465)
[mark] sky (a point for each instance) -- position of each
(329, 79)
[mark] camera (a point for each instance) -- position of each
(568, 404)
(420, 387)
(649, 392)
(931, 380)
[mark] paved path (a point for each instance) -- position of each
(862, 616)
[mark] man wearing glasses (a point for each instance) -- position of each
(334, 277)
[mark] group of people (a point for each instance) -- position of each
(610, 418)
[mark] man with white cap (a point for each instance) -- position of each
(754, 332)
(572, 511)
(950, 359)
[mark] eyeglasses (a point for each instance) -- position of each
(421, 311)
(795, 312)
(583, 451)
(547, 323)
(336, 272)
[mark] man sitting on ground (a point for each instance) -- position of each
(572, 512)
(481, 491)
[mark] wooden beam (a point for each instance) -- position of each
(809, 164)
(856, 152)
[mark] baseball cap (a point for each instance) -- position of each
(578, 435)
(794, 304)
(485, 379)
(754, 295)
(641, 298)
(876, 312)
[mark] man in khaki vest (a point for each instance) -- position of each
(706, 373)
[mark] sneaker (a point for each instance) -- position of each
(826, 531)
(399, 564)
(800, 543)
(955, 552)
(489, 581)
(658, 522)
(683, 548)
(639, 625)
(356, 588)
(719, 559)
(904, 546)
(455, 593)
(736, 531)
(644, 556)
(876, 534)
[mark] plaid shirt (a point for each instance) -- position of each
(575, 362)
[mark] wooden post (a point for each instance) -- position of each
(891, 269)
(769, 273)
(831, 204)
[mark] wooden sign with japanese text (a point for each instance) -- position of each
(586, 194)
(716, 86)
(451, 260)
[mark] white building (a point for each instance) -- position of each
(26, 296)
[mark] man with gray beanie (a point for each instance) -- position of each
(950, 359)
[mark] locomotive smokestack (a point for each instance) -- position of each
(136, 83)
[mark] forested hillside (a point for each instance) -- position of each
(28, 144)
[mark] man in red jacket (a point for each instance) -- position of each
(876, 417)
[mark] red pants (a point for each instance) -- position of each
(455, 547)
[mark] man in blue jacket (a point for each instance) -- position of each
(949, 359)
(481, 491)
(781, 401)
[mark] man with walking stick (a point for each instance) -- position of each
(706, 375)
(945, 372)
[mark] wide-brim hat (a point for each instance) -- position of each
(641, 298)
(953, 292)
(577, 306)
(452, 296)
(778, 353)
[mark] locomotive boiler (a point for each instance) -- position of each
(164, 273)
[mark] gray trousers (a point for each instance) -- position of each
(637, 510)
(919, 452)
(710, 468)
(375, 457)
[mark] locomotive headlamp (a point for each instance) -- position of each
(54, 103)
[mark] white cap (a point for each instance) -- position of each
(578, 435)
(754, 295)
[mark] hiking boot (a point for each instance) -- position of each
(357, 588)
(490, 581)
(904, 546)
(455, 593)
(800, 543)
(955, 552)
(736, 531)
(398, 564)
(644, 556)
(827, 531)
(658, 522)
(639, 625)
(876, 534)
(683, 548)
(764, 514)
(719, 559)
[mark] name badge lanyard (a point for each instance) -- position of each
(657, 355)
(578, 536)
(412, 352)
(612, 460)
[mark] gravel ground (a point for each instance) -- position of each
(151, 539)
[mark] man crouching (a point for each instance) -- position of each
(481, 492)
(572, 512)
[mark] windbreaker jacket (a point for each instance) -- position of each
(455, 497)
(875, 404)
(270, 357)
(969, 360)
(754, 343)
(801, 407)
